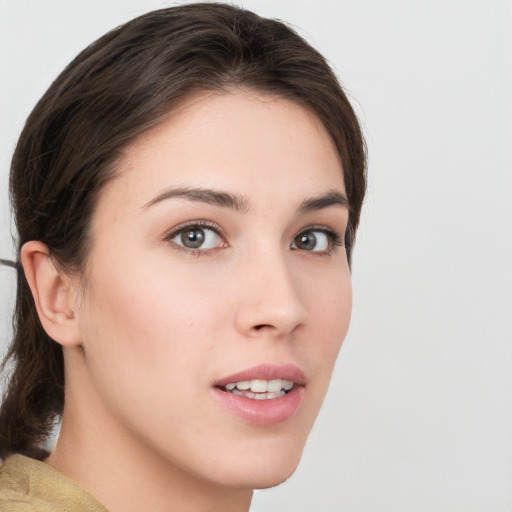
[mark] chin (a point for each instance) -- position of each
(267, 483)
(263, 478)
(263, 469)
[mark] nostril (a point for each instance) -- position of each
(261, 326)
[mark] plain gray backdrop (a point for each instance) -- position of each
(419, 413)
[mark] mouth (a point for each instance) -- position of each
(264, 395)
(259, 389)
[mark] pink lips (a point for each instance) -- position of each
(263, 412)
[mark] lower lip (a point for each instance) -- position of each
(263, 413)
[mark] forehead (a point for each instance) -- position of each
(243, 141)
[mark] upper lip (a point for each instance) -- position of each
(266, 371)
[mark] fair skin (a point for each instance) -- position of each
(186, 290)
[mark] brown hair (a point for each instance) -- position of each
(113, 91)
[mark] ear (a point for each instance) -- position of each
(50, 290)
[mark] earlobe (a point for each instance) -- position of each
(51, 294)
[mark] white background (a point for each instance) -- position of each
(419, 414)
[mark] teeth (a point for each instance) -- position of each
(259, 389)
(274, 386)
(259, 386)
(258, 396)
(287, 385)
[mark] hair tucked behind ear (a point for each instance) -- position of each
(117, 88)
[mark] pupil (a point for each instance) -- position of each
(193, 238)
(306, 241)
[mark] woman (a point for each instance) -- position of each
(186, 194)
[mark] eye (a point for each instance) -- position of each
(316, 240)
(197, 238)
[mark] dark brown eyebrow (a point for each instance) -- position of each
(332, 198)
(204, 195)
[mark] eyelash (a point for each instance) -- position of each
(188, 227)
(335, 239)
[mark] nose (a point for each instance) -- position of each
(269, 300)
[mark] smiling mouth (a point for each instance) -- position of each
(259, 389)
(264, 395)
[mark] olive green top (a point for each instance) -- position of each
(28, 485)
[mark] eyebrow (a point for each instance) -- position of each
(332, 198)
(204, 195)
(241, 203)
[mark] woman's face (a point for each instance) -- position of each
(216, 259)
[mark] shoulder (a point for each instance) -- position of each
(14, 491)
(28, 485)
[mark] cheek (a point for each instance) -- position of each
(148, 330)
(148, 355)
(151, 313)
(330, 311)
